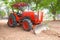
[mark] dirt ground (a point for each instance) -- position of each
(17, 33)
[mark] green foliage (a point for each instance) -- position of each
(51, 4)
(2, 13)
(58, 12)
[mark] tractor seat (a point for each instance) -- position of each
(19, 14)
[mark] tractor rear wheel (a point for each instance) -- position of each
(27, 24)
(12, 21)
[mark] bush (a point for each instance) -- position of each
(2, 14)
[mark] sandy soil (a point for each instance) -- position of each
(17, 33)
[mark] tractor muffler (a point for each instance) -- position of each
(39, 28)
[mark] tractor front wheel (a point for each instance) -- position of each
(27, 24)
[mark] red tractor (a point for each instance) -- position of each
(26, 18)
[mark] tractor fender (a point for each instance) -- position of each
(26, 18)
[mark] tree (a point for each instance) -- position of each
(37, 2)
(52, 5)
(55, 6)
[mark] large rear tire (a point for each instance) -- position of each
(12, 21)
(27, 25)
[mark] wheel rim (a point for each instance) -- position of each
(10, 21)
(25, 25)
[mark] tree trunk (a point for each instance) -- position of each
(54, 13)
(36, 4)
(54, 18)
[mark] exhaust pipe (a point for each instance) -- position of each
(40, 15)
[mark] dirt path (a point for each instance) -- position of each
(17, 33)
